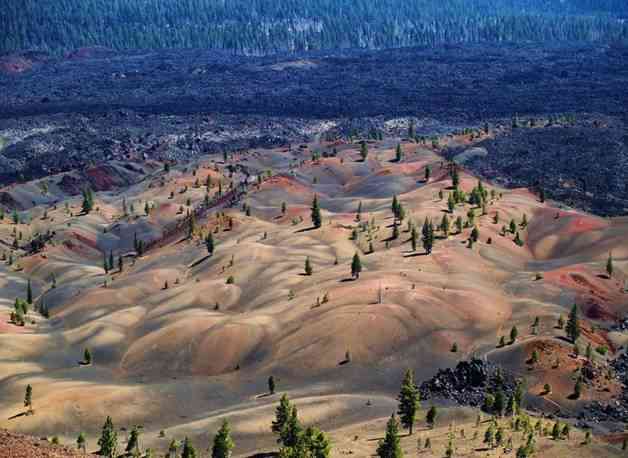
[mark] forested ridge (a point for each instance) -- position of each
(268, 26)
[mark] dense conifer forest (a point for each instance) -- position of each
(269, 26)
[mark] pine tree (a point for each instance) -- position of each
(431, 416)
(81, 442)
(209, 243)
(428, 236)
(223, 443)
(609, 265)
(573, 326)
(489, 436)
(408, 398)
(316, 213)
(455, 178)
(577, 389)
(413, 238)
(188, 450)
(281, 414)
(316, 443)
(108, 441)
(88, 201)
(398, 153)
(292, 429)
(394, 207)
(87, 356)
(29, 292)
(444, 225)
(459, 224)
(475, 234)
(271, 384)
(390, 446)
(308, 266)
(451, 203)
(28, 398)
(356, 266)
(364, 151)
(133, 444)
(513, 334)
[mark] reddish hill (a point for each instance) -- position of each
(13, 445)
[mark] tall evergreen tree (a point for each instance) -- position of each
(364, 150)
(308, 266)
(428, 236)
(133, 444)
(316, 213)
(292, 429)
(390, 446)
(413, 238)
(223, 443)
(316, 443)
(88, 201)
(609, 265)
(430, 418)
(81, 442)
(209, 243)
(356, 266)
(29, 292)
(408, 398)
(108, 441)
(28, 398)
(282, 413)
(573, 326)
(188, 450)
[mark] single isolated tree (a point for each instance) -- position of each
(271, 384)
(409, 401)
(514, 333)
(609, 266)
(308, 266)
(87, 356)
(209, 243)
(28, 399)
(316, 213)
(364, 151)
(573, 326)
(29, 292)
(356, 266)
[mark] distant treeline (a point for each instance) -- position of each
(270, 26)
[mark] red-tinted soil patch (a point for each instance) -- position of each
(15, 64)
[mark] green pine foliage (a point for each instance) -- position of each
(271, 26)
(408, 398)
(223, 443)
(390, 446)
